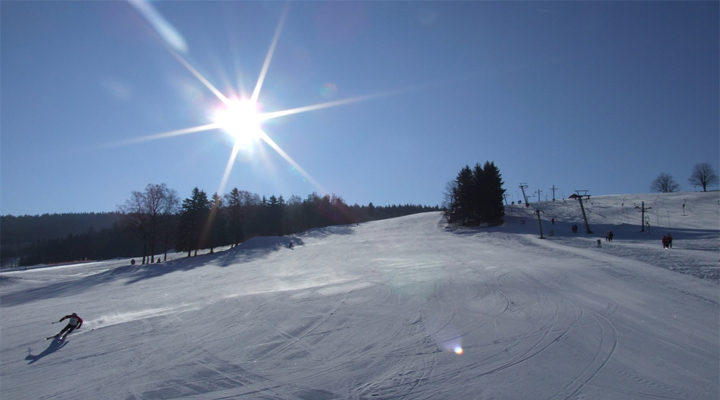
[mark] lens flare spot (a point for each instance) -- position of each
(328, 90)
(458, 350)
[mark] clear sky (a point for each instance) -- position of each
(602, 96)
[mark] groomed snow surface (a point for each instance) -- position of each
(407, 308)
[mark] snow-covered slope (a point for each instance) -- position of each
(407, 308)
(692, 219)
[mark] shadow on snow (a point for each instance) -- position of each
(253, 249)
(54, 346)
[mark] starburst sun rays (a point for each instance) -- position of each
(241, 118)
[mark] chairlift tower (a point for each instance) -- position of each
(539, 194)
(642, 209)
(538, 212)
(553, 188)
(580, 198)
(684, 206)
(524, 186)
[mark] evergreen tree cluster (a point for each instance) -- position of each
(155, 221)
(24, 229)
(33, 239)
(240, 215)
(476, 196)
(103, 244)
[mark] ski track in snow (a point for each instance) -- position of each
(381, 311)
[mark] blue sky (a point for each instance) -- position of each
(602, 96)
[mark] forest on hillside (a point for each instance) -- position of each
(155, 221)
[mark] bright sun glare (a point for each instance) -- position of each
(241, 119)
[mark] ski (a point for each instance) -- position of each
(64, 336)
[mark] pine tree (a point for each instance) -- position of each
(193, 218)
(216, 223)
(479, 191)
(476, 196)
(494, 209)
(464, 196)
(274, 213)
(235, 216)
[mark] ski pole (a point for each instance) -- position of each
(56, 322)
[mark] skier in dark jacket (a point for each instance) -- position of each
(74, 323)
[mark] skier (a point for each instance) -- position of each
(74, 323)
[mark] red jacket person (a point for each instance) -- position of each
(74, 323)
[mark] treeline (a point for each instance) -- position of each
(155, 221)
(35, 238)
(24, 229)
(476, 196)
(94, 244)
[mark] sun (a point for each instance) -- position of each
(241, 119)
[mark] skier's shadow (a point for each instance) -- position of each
(56, 345)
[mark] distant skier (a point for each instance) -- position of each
(74, 323)
(669, 241)
(665, 242)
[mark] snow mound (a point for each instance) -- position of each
(7, 280)
(266, 242)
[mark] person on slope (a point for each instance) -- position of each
(74, 323)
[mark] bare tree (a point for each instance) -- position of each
(703, 175)
(449, 200)
(135, 219)
(171, 205)
(145, 211)
(153, 202)
(664, 183)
